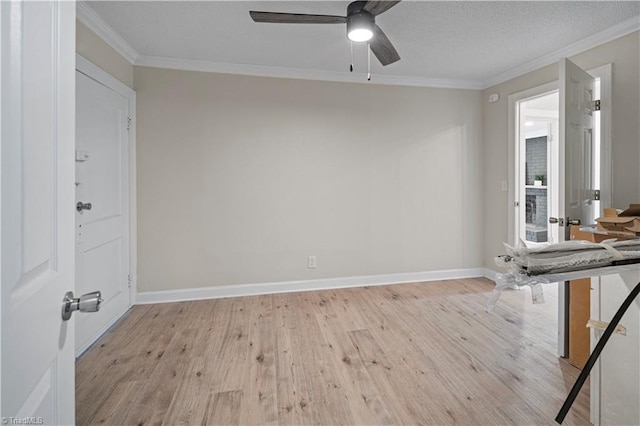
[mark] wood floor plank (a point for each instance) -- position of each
(223, 408)
(260, 401)
(315, 399)
(423, 353)
(230, 359)
(122, 401)
(190, 400)
(352, 376)
(160, 387)
(176, 354)
(286, 338)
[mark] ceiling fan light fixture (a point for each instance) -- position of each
(360, 26)
(360, 34)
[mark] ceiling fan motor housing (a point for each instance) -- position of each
(358, 18)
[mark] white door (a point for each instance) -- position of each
(102, 180)
(576, 144)
(575, 166)
(37, 211)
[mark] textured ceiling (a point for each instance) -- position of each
(471, 41)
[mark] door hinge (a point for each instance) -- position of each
(596, 195)
(128, 123)
(596, 105)
(130, 279)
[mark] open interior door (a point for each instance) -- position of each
(576, 152)
(576, 166)
(37, 211)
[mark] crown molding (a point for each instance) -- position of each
(86, 15)
(594, 40)
(91, 19)
(301, 74)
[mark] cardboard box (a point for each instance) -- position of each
(633, 210)
(625, 223)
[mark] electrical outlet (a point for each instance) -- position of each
(311, 262)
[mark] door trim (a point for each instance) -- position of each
(606, 180)
(94, 72)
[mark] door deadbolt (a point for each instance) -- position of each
(83, 206)
(89, 302)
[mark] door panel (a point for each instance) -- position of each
(37, 263)
(102, 179)
(576, 147)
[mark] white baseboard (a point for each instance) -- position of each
(306, 285)
(490, 274)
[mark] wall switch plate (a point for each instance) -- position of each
(311, 262)
(504, 186)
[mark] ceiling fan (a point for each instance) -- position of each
(360, 20)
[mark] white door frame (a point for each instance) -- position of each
(92, 71)
(606, 181)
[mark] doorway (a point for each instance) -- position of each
(538, 210)
(537, 168)
(536, 162)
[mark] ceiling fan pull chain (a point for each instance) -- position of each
(368, 62)
(351, 58)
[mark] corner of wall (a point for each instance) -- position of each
(96, 50)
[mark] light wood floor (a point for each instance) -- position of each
(404, 354)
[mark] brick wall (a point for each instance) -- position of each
(536, 158)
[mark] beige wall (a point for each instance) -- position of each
(241, 178)
(92, 47)
(623, 53)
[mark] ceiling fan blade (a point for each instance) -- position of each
(381, 47)
(295, 18)
(378, 7)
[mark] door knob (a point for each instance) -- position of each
(573, 221)
(556, 220)
(89, 302)
(83, 206)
